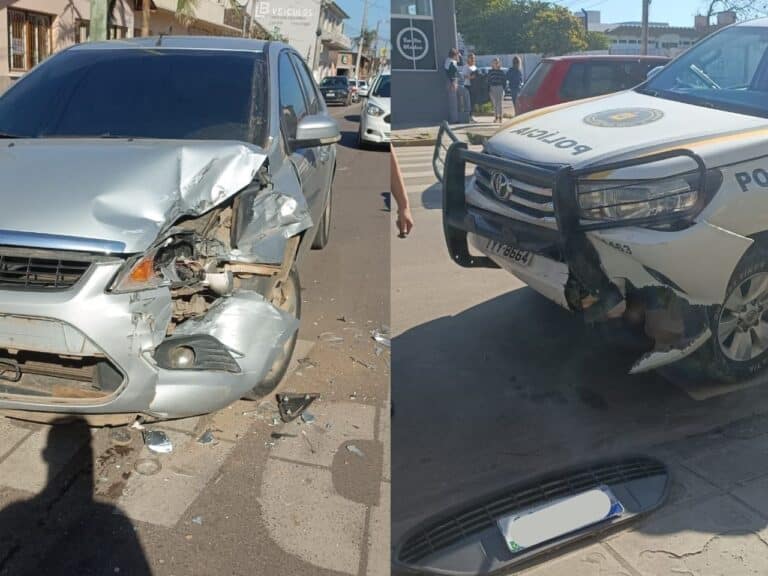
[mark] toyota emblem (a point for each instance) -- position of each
(501, 185)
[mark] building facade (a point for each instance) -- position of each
(32, 30)
(422, 32)
(315, 28)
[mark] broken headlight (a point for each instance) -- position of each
(140, 273)
(167, 264)
(608, 200)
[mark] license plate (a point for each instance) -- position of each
(521, 257)
(331, 94)
(530, 528)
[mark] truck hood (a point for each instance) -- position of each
(115, 193)
(612, 127)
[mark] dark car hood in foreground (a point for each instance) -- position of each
(124, 192)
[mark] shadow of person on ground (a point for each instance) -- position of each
(63, 530)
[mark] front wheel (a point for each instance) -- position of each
(286, 297)
(740, 325)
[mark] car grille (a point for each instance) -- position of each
(40, 271)
(388, 118)
(527, 198)
(485, 513)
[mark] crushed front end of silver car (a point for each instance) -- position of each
(146, 281)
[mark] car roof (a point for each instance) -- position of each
(757, 22)
(616, 57)
(180, 43)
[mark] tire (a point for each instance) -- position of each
(324, 229)
(739, 346)
(289, 300)
(718, 359)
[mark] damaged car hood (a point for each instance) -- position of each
(610, 127)
(121, 192)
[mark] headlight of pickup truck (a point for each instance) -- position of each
(621, 200)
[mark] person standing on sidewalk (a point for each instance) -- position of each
(515, 79)
(496, 81)
(452, 84)
(468, 74)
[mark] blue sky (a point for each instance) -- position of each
(675, 12)
(377, 10)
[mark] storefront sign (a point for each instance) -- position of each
(414, 44)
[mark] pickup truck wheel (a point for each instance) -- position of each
(287, 297)
(324, 229)
(740, 325)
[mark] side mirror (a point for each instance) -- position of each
(653, 71)
(316, 130)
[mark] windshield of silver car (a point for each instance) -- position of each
(140, 93)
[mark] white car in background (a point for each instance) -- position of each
(375, 116)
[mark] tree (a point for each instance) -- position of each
(597, 41)
(508, 26)
(745, 9)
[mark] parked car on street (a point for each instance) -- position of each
(362, 88)
(375, 115)
(647, 207)
(336, 90)
(160, 194)
(566, 78)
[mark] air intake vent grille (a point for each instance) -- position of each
(486, 512)
(34, 272)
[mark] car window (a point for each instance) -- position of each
(575, 82)
(727, 71)
(308, 84)
(382, 88)
(336, 81)
(140, 93)
(536, 79)
(293, 107)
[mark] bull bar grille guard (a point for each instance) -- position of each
(459, 219)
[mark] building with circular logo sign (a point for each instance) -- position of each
(624, 117)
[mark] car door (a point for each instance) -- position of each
(293, 108)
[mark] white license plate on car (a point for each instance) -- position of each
(521, 257)
(531, 528)
(331, 94)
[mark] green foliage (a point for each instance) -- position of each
(509, 26)
(597, 41)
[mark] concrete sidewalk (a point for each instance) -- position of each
(427, 135)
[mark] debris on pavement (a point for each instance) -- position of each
(330, 338)
(307, 418)
(207, 438)
(147, 466)
(382, 336)
(363, 364)
(158, 441)
(120, 436)
(197, 520)
(306, 363)
(355, 450)
(292, 405)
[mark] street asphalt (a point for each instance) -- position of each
(264, 497)
(493, 385)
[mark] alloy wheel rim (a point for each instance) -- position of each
(742, 327)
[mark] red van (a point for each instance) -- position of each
(566, 78)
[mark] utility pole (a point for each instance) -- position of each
(362, 37)
(318, 39)
(644, 32)
(98, 27)
(376, 47)
(586, 20)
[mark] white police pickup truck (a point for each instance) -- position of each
(649, 205)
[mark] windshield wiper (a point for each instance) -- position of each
(704, 76)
